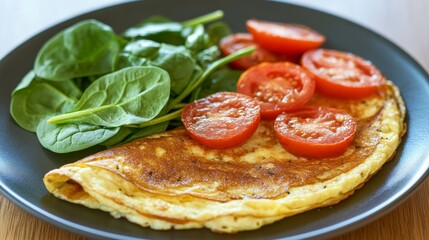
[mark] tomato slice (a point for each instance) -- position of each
(237, 41)
(341, 74)
(284, 38)
(315, 132)
(278, 87)
(222, 120)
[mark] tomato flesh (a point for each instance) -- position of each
(278, 87)
(342, 75)
(284, 38)
(315, 132)
(222, 120)
(237, 41)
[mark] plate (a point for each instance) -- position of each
(23, 162)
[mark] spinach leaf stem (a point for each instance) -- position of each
(68, 117)
(203, 19)
(164, 118)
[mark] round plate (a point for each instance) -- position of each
(23, 161)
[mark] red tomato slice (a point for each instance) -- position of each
(315, 132)
(284, 38)
(237, 41)
(222, 120)
(278, 87)
(342, 75)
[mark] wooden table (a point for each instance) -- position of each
(403, 22)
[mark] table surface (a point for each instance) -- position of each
(401, 21)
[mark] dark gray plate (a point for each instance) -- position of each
(23, 162)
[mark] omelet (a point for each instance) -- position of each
(169, 181)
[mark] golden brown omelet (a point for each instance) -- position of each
(169, 181)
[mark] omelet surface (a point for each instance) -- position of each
(169, 181)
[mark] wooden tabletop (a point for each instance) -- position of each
(403, 22)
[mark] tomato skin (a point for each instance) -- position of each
(237, 41)
(315, 132)
(341, 74)
(284, 38)
(222, 120)
(278, 87)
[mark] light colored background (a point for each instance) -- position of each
(404, 22)
(21, 19)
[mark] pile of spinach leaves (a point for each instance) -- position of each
(90, 86)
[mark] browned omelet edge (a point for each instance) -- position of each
(111, 193)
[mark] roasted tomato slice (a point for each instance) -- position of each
(342, 75)
(315, 132)
(278, 87)
(284, 38)
(237, 41)
(222, 120)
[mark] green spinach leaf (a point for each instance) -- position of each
(196, 38)
(132, 95)
(176, 60)
(25, 82)
(34, 99)
(86, 48)
(217, 31)
(208, 56)
(222, 80)
(71, 137)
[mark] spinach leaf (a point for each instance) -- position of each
(194, 85)
(196, 38)
(176, 60)
(223, 80)
(70, 137)
(217, 31)
(35, 98)
(137, 53)
(132, 95)
(143, 48)
(208, 56)
(25, 82)
(86, 48)
(213, 34)
(178, 63)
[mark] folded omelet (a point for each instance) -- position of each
(169, 181)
